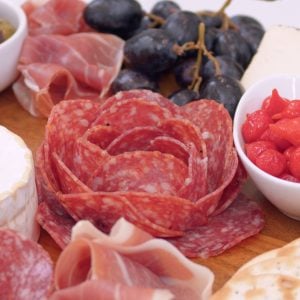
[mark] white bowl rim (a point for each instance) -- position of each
(236, 130)
(22, 22)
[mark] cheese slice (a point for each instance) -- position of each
(18, 196)
(278, 53)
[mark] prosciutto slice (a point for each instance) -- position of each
(56, 67)
(55, 16)
(127, 264)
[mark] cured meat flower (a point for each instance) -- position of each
(171, 171)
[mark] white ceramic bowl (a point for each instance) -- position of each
(11, 48)
(283, 194)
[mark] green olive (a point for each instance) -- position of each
(6, 30)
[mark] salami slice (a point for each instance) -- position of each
(101, 135)
(184, 131)
(195, 186)
(69, 183)
(132, 113)
(239, 221)
(139, 171)
(87, 158)
(210, 201)
(145, 95)
(232, 190)
(138, 138)
(166, 144)
(69, 121)
(26, 268)
(215, 125)
(58, 226)
(104, 209)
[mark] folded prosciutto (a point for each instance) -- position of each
(172, 171)
(127, 264)
(55, 16)
(62, 59)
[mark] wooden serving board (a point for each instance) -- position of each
(278, 231)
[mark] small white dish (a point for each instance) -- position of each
(11, 48)
(283, 194)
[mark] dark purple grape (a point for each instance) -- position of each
(250, 29)
(120, 17)
(223, 89)
(164, 9)
(182, 97)
(211, 34)
(211, 19)
(151, 51)
(229, 67)
(243, 21)
(231, 43)
(184, 71)
(145, 24)
(183, 26)
(130, 80)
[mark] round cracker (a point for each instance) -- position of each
(261, 287)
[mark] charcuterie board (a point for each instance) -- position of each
(278, 231)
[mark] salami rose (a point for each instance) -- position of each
(169, 170)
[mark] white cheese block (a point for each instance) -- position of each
(18, 197)
(278, 53)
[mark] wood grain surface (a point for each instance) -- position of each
(278, 231)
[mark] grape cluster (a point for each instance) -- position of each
(167, 39)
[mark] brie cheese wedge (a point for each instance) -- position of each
(278, 53)
(18, 196)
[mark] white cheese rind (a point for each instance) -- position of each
(278, 53)
(18, 196)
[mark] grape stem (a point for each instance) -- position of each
(197, 79)
(221, 11)
(202, 50)
(156, 20)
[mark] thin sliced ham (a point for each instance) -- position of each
(127, 264)
(56, 67)
(55, 16)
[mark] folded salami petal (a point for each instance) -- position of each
(104, 209)
(215, 125)
(26, 268)
(42, 85)
(166, 144)
(210, 202)
(184, 131)
(145, 95)
(58, 226)
(47, 179)
(87, 159)
(138, 138)
(167, 211)
(55, 16)
(127, 114)
(69, 183)
(232, 190)
(140, 171)
(67, 122)
(239, 221)
(195, 184)
(101, 135)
